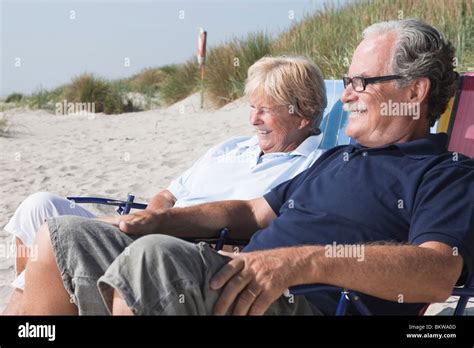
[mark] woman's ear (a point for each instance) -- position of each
(304, 122)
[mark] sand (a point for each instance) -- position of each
(108, 155)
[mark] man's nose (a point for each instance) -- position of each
(349, 95)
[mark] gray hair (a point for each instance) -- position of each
(422, 51)
(290, 81)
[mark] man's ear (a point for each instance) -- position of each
(419, 90)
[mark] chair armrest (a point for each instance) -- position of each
(123, 207)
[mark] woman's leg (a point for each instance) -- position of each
(24, 224)
(21, 258)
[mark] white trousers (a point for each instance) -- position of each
(32, 213)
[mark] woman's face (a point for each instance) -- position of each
(278, 130)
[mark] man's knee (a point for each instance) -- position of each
(173, 256)
(159, 246)
(168, 255)
(77, 230)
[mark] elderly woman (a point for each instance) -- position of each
(287, 99)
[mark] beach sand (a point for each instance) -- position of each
(109, 156)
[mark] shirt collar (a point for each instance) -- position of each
(309, 145)
(432, 144)
(253, 141)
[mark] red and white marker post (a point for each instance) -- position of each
(201, 57)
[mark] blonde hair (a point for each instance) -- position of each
(290, 80)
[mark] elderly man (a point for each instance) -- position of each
(286, 143)
(397, 194)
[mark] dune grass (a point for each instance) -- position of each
(227, 66)
(180, 82)
(328, 37)
(40, 99)
(87, 88)
(4, 126)
(14, 98)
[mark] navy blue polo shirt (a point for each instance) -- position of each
(411, 192)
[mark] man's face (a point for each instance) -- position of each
(368, 123)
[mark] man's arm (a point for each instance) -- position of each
(242, 218)
(161, 201)
(425, 273)
(408, 273)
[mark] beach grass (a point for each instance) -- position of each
(40, 99)
(149, 80)
(180, 82)
(227, 65)
(328, 37)
(88, 88)
(14, 98)
(4, 126)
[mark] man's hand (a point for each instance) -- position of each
(252, 281)
(139, 223)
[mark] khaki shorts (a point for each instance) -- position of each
(155, 274)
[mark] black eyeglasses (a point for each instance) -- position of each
(359, 83)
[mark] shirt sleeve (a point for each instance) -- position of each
(178, 186)
(443, 211)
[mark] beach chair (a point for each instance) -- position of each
(461, 118)
(457, 122)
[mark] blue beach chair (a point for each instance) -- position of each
(332, 126)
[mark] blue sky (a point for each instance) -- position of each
(46, 43)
